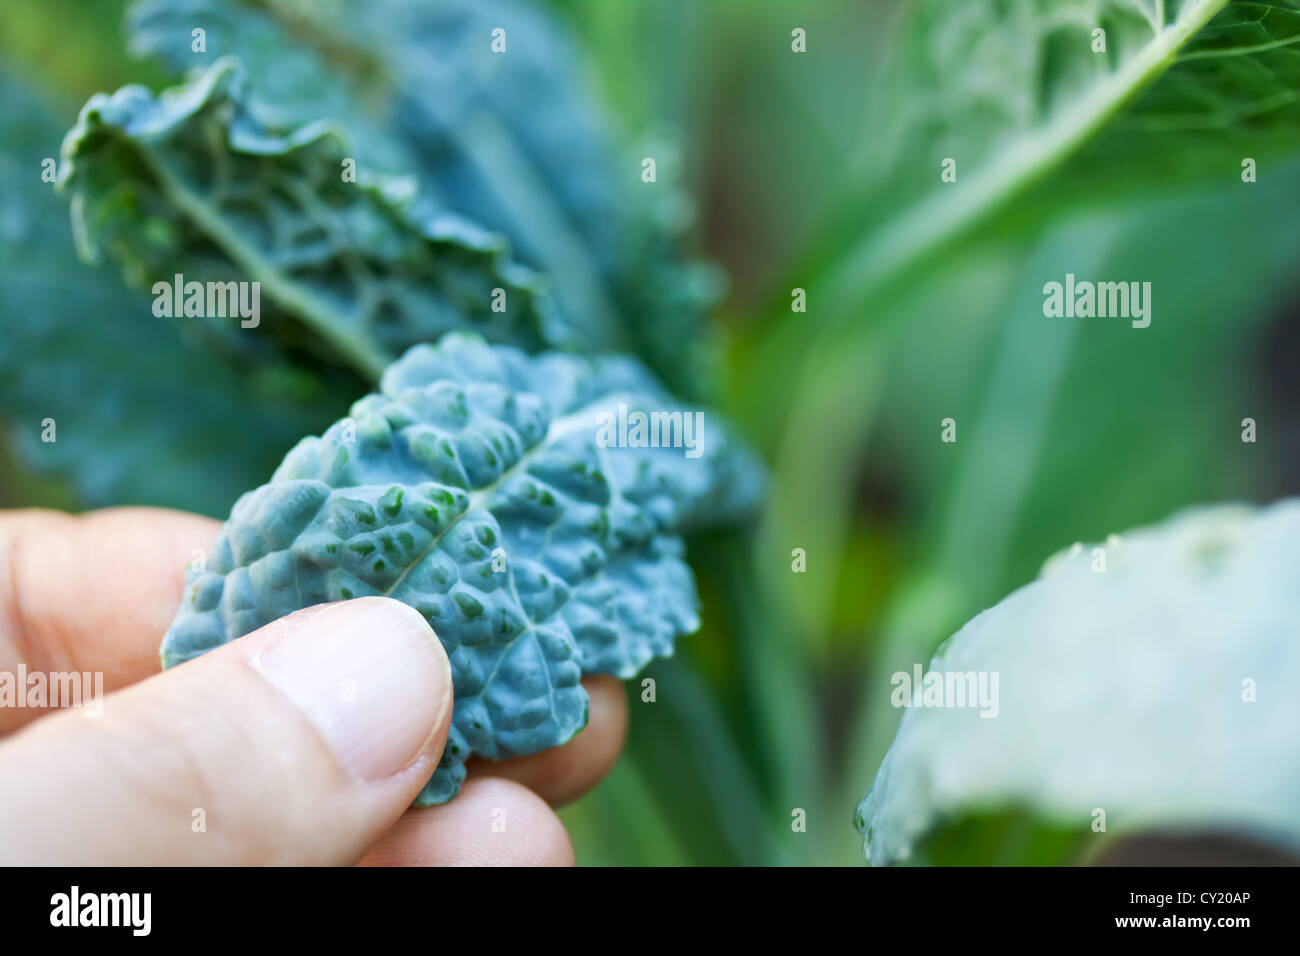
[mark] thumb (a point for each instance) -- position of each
(301, 743)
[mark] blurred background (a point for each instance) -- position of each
(787, 164)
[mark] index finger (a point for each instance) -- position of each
(91, 593)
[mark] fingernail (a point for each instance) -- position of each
(370, 675)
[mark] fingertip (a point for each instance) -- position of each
(369, 674)
(608, 708)
(300, 743)
(492, 822)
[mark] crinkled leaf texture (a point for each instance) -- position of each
(142, 414)
(1123, 690)
(512, 141)
(477, 487)
(193, 182)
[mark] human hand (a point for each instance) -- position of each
(252, 753)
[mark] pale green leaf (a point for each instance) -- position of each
(1150, 676)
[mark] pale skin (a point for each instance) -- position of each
(95, 593)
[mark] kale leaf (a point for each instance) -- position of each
(513, 502)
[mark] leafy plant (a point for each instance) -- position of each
(511, 142)
(222, 182)
(1065, 157)
(191, 183)
(591, 580)
(143, 413)
(1119, 154)
(475, 487)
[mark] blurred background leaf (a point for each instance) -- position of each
(140, 415)
(1138, 685)
(515, 142)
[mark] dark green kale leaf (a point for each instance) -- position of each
(508, 137)
(138, 412)
(192, 183)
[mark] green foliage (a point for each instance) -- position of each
(481, 487)
(140, 414)
(1053, 409)
(817, 170)
(1139, 684)
(511, 141)
(1033, 95)
(192, 183)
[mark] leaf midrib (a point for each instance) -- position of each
(517, 184)
(942, 217)
(328, 322)
(557, 430)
